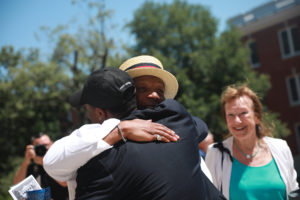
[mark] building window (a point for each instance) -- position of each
(290, 42)
(293, 85)
(297, 128)
(254, 59)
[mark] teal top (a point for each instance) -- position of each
(263, 182)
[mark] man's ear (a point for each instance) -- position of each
(100, 114)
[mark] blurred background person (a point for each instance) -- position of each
(33, 165)
(250, 164)
(203, 145)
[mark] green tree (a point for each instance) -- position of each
(89, 49)
(33, 100)
(34, 93)
(184, 37)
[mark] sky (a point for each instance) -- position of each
(21, 20)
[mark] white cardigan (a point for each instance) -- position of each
(279, 150)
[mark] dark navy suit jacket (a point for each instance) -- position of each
(149, 171)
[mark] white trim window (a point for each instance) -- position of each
(254, 58)
(297, 131)
(293, 87)
(289, 41)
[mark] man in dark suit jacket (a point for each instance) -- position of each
(133, 170)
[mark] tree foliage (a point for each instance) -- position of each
(184, 37)
(34, 93)
(86, 51)
(33, 100)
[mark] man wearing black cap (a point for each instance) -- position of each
(133, 170)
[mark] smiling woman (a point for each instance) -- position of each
(241, 119)
(257, 166)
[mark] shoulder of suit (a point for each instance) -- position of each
(173, 105)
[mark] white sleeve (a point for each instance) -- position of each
(205, 169)
(211, 161)
(71, 152)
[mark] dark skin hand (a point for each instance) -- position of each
(141, 131)
(136, 130)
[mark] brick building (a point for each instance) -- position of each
(272, 32)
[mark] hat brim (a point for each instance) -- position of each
(171, 84)
(75, 98)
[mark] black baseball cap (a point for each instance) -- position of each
(107, 88)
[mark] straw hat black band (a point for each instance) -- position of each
(140, 65)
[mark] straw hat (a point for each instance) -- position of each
(148, 65)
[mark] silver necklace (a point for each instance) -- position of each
(248, 156)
